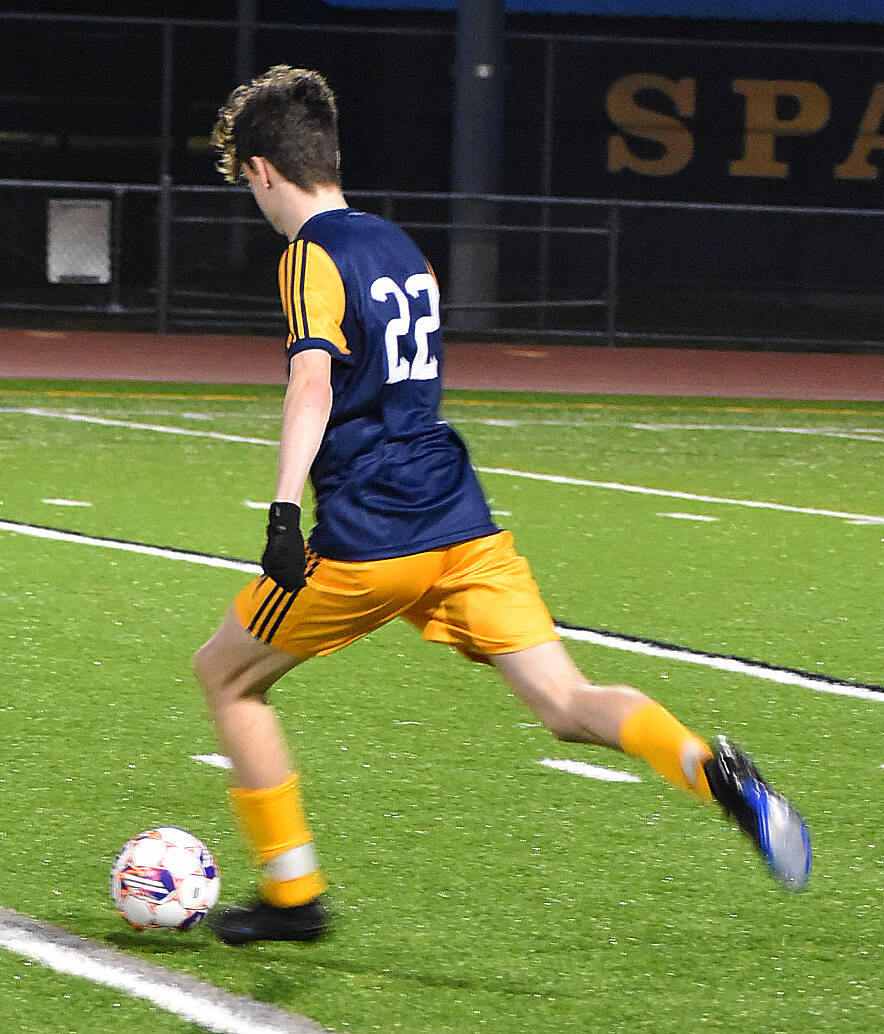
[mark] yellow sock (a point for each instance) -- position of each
(273, 819)
(650, 732)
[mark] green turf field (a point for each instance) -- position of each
(473, 888)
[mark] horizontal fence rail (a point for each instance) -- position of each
(175, 257)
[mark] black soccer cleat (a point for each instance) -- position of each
(766, 817)
(260, 921)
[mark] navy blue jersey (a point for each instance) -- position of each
(390, 477)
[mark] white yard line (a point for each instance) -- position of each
(859, 434)
(133, 425)
(197, 1002)
(557, 479)
(735, 665)
(213, 760)
(616, 486)
(856, 434)
(581, 768)
(674, 653)
(179, 414)
(607, 775)
(702, 517)
(203, 559)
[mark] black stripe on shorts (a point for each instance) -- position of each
(260, 611)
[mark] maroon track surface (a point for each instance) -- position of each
(217, 359)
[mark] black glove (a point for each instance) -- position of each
(283, 559)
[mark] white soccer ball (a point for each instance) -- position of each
(165, 878)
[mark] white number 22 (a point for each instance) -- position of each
(422, 367)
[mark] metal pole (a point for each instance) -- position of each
(246, 13)
(611, 293)
(475, 159)
(116, 246)
(164, 210)
(166, 103)
(546, 174)
(164, 253)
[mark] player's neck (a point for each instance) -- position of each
(305, 206)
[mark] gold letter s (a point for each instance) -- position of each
(625, 111)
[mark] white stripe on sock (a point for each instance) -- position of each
(293, 864)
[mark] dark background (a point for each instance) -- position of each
(82, 101)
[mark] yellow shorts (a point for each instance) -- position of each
(476, 596)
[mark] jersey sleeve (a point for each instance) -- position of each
(313, 300)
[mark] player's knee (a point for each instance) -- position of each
(223, 682)
(202, 668)
(215, 680)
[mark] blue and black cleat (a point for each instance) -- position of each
(766, 817)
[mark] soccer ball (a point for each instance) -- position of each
(165, 878)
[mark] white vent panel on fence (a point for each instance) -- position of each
(78, 241)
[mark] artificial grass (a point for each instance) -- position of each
(473, 888)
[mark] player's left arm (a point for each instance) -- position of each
(305, 414)
(313, 300)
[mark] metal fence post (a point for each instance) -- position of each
(166, 101)
(244, 70)
(477, 123)
(611, 297)
(164, 253)
(116, 247)
(164, 211)
(546, 176)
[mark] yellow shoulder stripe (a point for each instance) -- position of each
(312, 293)
(285, 276)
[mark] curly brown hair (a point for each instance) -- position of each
(288, 116)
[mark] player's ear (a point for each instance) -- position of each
(262, 169)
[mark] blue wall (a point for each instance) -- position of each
(760, 10)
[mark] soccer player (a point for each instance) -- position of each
(402, 526)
